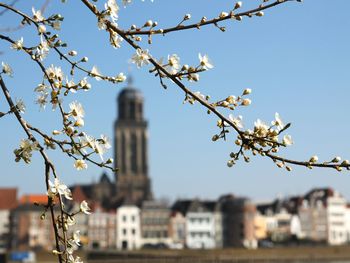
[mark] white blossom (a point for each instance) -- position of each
(140, 58)
(37, 16)
(84, 207)
(278, 121)
(42, 100)
(77, 110)
(260, 128)
(76, 237)
(56, 188)
(112, 9)
(115, 40)
(54, 73)
(21, 107)
(205, 62)
(17, 45)
(80, 165)
(96, 73)
(238, 121)
(287, 140)
(7, 69)
(174, 63)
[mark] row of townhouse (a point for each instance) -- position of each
(321, 215)
(192, 224)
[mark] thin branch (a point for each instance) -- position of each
(245, 139)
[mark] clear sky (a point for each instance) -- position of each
(296, 59)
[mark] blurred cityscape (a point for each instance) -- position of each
(126, 216)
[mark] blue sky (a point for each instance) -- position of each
(296, 59)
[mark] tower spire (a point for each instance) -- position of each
(130, 80)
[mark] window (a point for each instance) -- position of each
(133, 231)
(133, 157)
(124, 218)
(124, 231)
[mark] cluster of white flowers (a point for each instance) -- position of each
(25, 150)
(77, 112)
(56, 188)
(99, 146)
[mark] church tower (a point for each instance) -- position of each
(130, 138)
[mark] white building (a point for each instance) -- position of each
(323, 216)
(200, 225)
(128, 227)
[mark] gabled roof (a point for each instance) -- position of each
(105, 178)
(78, 194)
(33, 198)
(8, 198)
(193, 205)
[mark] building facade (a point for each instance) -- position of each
(128, 236)
(8, 201)
(155, 217)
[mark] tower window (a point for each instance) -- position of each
(132, 111)
(122, 153)
(133, 157)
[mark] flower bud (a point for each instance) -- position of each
(187, 17)
(345, 162)
(313, 159)
(247, 91)
(41, 29)
(238, 5)
(223, 14)
(246, 102)
(72, 53)
(56, 132)
(336, 159)
(230, 163)
(148, 23)
(215, 138)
